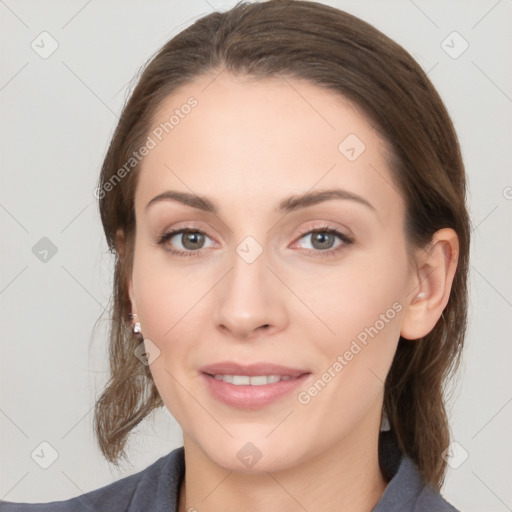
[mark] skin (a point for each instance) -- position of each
(248, 145)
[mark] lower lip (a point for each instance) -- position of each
(251, 397)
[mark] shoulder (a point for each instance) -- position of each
(406, 490)
(146, 490)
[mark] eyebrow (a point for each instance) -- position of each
(290, 204)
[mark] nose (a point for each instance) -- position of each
(250, 300)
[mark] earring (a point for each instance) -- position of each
(421, 295)
(135, 326)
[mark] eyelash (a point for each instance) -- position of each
(346, 241)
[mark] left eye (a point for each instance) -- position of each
(325, 239)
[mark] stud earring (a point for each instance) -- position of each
(135, 326)
(421, 295)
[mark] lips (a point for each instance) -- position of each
(251, 370)
(252, 396)
(251, 386)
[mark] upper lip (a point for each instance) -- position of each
(232, 368)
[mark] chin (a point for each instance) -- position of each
(258, 455)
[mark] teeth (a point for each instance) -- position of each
(256, 380)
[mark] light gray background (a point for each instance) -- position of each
(57, 116)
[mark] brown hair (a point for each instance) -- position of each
(335, 50)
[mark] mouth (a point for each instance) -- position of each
(251, 386)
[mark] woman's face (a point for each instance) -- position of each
(250, 284)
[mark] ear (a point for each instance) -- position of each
(120, 243)
(431, 283)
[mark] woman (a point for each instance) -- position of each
(285, 199)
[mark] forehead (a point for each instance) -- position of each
(249, 138)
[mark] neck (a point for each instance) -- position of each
(347, 476)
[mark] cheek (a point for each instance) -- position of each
(154, 297)
(167, 299)
(361, 304)
(355, 295)
(165, 293)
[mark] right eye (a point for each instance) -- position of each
(190, 240)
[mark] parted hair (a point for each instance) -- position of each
(343, 54)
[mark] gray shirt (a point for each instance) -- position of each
(156, 488)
